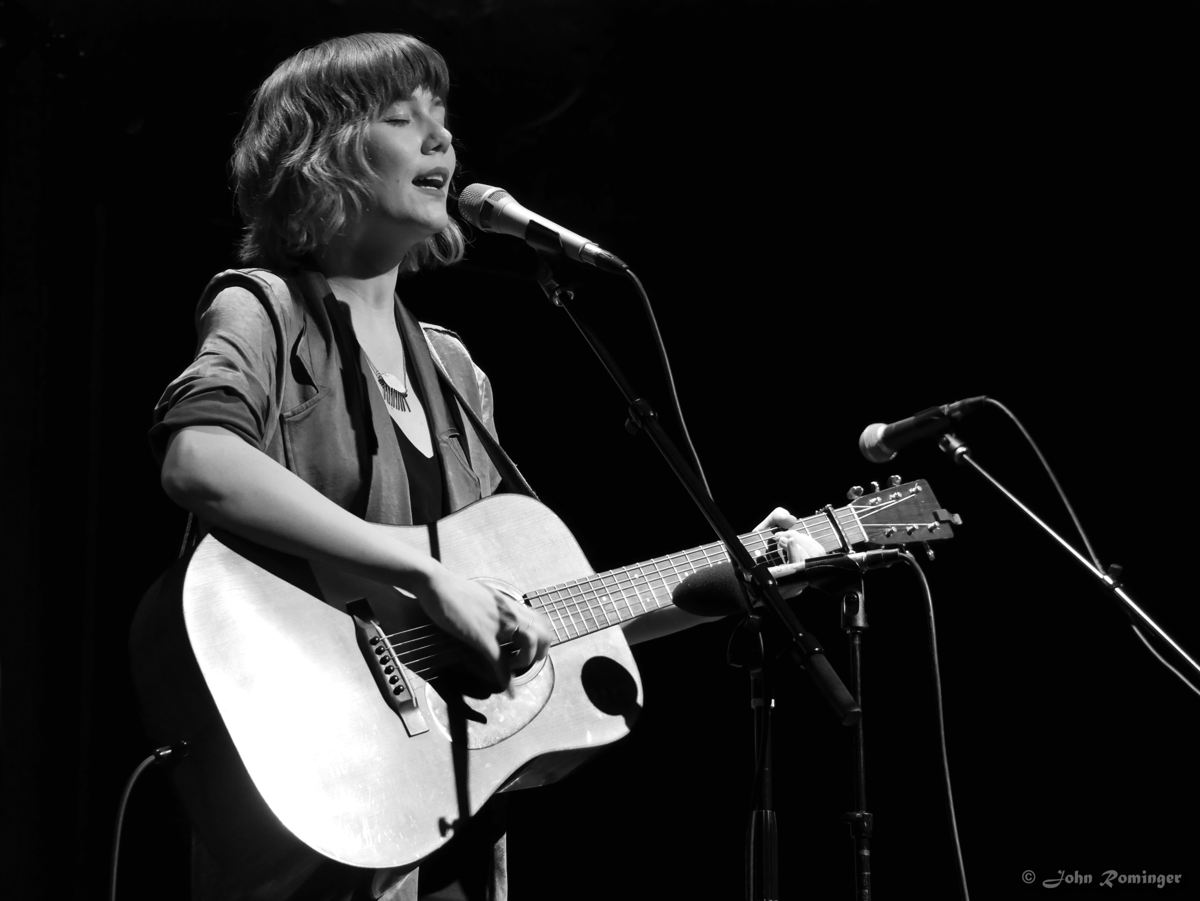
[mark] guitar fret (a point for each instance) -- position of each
(601, 596)
(818, 528)
(857, 524)
(605, 599)
(555, 623)
(636, 588)
(635, 593)
(582, 603)
(570, 607)
(600, 599)
(607, 620)
(659, 574)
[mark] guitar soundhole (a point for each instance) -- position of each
(610, 687)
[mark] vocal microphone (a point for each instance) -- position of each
(495, 210)
(881, 442)
(717, 590)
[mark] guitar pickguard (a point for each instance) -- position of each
(491, 720)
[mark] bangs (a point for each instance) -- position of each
(358, 76)
(373, 71)
(404, 66)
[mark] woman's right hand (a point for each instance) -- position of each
(505, 636)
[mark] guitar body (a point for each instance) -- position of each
(253, 658)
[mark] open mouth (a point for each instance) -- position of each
(433, 180)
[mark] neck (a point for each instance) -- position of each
(361, 275)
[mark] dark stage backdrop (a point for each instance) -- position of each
(844, 213)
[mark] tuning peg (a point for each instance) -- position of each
(854, 493)
(874, 486)
(894, 480)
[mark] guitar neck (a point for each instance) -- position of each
(617, 596)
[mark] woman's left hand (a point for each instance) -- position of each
(796, 546)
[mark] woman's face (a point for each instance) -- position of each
(410, 149)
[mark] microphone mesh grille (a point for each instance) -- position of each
(471, 200)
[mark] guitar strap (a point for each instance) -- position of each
(511, 476)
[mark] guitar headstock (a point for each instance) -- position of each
(901, 514)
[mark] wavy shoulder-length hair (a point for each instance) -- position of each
(300, 169)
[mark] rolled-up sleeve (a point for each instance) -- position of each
(232, 381)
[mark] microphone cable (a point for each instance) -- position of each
(1083, 534)
(166, 752)
(665, 362)
(656, 333)
(941, 718)
(1062, 495)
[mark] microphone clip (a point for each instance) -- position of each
(555, 292)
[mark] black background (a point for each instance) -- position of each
(844, 213)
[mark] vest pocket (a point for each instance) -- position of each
(463, 484)
(319, 446)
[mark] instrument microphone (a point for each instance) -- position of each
(881, 442)
(495, 210)
(717, 590)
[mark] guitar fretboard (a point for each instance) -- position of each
(609, 598)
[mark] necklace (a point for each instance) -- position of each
(395, 392)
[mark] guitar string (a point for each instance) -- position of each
(619, 581)
(575, 614)
(442, 645)
(439, 643)
(624, 579)
(546, 591)
(764, 537)
(578, 605)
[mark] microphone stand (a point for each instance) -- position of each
(961, 454)
(861, 820)
(747, 651)
(758, 584)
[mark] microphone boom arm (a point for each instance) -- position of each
(961, 454)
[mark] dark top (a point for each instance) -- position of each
(426, 486)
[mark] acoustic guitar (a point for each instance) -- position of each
(330, 705)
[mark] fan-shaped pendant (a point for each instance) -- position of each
(395, 393)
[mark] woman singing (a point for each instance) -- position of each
(317, 409)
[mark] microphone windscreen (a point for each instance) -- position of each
(714, 591)
(871, 446)
(470, 202)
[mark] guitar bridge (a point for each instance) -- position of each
(385, 666)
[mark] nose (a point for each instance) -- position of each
(437, 139)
